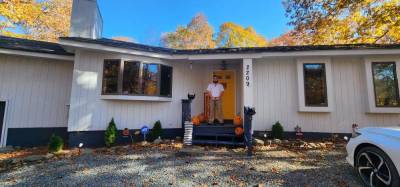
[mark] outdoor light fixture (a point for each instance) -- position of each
(223, 65)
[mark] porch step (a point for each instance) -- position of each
(216, 142)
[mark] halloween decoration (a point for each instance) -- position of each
(239, 131)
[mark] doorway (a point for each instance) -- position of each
(3, 105)
(228, 80)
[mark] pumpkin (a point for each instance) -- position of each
(202, 118)
(237, 120)
(125, 132)
(195, 121)
(239, 131)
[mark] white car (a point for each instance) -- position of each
(375, 154)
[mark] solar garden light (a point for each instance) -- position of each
(80, 147)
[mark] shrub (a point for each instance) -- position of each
(157, 130)
(277, 130)
(111, 133)
(56, 143)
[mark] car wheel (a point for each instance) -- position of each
(375, 168)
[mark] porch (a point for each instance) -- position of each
(235, 80)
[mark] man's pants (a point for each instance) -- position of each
(216, 111)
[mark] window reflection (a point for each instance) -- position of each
(315, 85)
(385, 84)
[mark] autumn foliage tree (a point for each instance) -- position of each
(33, 19)
(344, 21)
(198, 34)
(234, 35)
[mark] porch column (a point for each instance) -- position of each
(248, 82)
(248, 104)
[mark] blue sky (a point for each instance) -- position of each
(146, 20)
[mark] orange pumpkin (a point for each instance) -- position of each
(195, 120)
(237, 120)
(201, 118)
(239, 131)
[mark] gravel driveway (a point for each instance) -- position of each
(152, 166)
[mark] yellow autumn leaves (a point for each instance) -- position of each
(39, 20)
(199, 34)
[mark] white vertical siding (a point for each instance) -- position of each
(276, 98)
(89, 112)
(37, 91)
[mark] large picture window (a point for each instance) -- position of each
(315, 89)
(136, 78)
(385, 84)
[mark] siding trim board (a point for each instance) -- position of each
(306, 135)
(29, 137)
(96, 138)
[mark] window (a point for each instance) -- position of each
(131, 78)
(385, 84)
(110, 76)
(315, 86)
(166, 81)
(315, 90)
(150, 79)
(134, 78)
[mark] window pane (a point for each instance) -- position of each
(150, 79)
(315, 85)
(110, 76)
(385, 84)
(166, 81)
(131, 78)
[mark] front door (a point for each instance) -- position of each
(2, 112)
(227, 78)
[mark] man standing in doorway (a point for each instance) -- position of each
(215, 91)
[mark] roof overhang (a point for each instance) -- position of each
(36, 54)
(306, 53)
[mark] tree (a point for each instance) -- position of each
(286, 39)
(234, 35)
(344, 21)
(198, 34)
(40, 20)
(110, 135)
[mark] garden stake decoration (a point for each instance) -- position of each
(354, 128)
(299, 133)
(144, 130)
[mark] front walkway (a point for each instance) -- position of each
(167, 165)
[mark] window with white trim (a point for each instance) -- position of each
(382, 84)
(315, 85)
(135, 78)
(385, 84)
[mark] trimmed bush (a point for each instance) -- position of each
(157, 130)
(277, 130)
(111, 133)
(56, 143)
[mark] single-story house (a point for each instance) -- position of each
(76, 86)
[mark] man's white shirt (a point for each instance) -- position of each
(215, 89)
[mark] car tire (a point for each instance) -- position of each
(372, 162)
